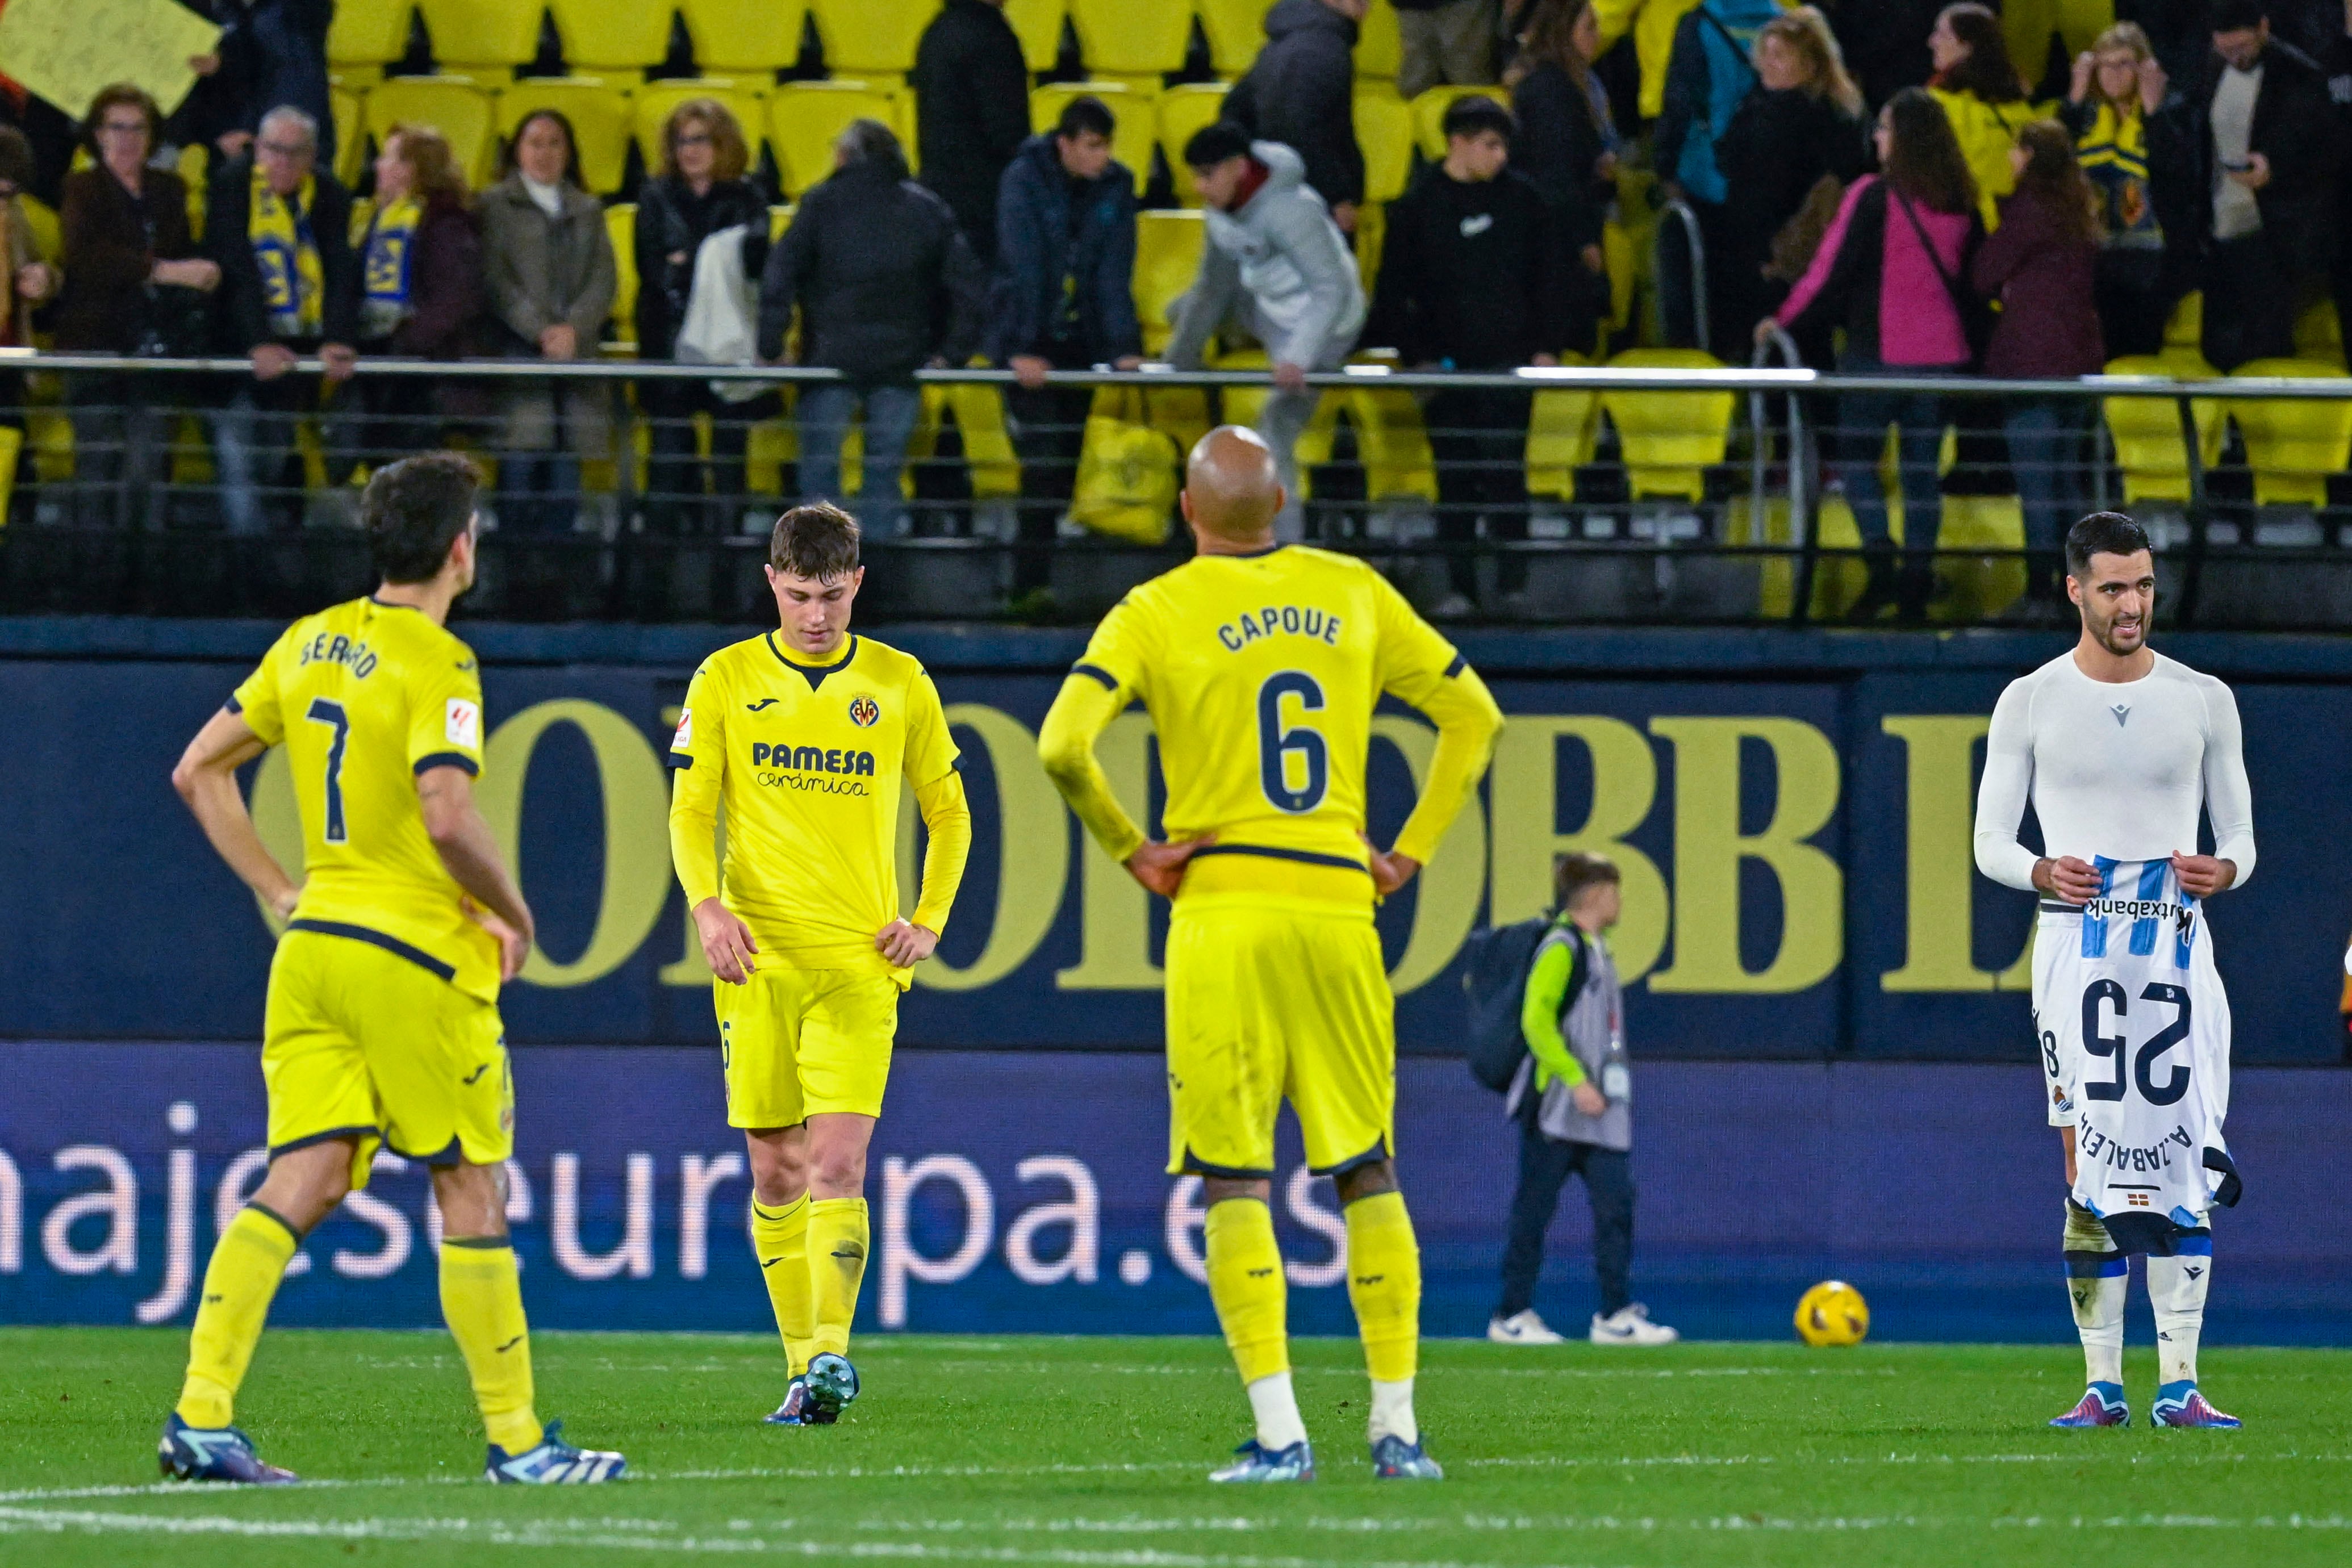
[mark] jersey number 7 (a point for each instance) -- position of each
(327, 711)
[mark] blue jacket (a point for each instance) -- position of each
(1052, 233)
(1707, 77)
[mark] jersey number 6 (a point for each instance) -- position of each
(2142, 1065)
(1278, 744)
(326, 711)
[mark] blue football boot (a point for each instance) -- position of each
(2181, 1404)
(2102, 1405)
(795, 1411)
(830, 1383)
(215, 1454)
(1394, 1459)
(1255, 1463)
(554, 1463)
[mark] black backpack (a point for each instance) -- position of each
(1494, 978)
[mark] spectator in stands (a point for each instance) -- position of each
(1471, 279)
(133, 284)
(1301, 92)
(2042, 264)
(2269, 148)
(1298, 293)
(700, 192)
(884, 285)
(1708, 77)
(1063, 298)
(1884, 43)
(971, 111)
(552, 278)
(1448, 42)
(1891, 270)
(280, 228)
(2139, 162)
(1981, 94)
(1798, 129)
(1567, 145)
(421, 296)
(270, 54)
(27, 279)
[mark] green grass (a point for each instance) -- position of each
(1089, 1453)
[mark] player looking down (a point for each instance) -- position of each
(382, 1028)
(2120, 748)
(1260, 665)
(805, 736)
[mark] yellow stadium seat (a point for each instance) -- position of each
(1183, 111)
(2186, 328)
(753, 37)
(48, 233)
(1235, 30)
(482, 38)
(617, 39)
(1669, 439)
(1563, 427)
(1167, 259)
(601, 119)
(1131, 137)
(2293, 447)
(780, 218)
(871, 37)
(1384, 131)
(1038, 24)
(1132, 38)
(989, 459)
(1380, 47)
(12, 443)
(348, 107)
(1429, 115)
(621, 225)
(2317, 334)
(454, 106)
(652, 104)
(1652, 24)
(1371, 240)
(366, 36)
(803, 118)
(2146, 431)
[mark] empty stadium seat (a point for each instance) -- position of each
(871, 38)
(621, 223)
(1384, 131)
(348, 107)
(48, 233)
(617, 39)
(1669, 439)
(601, 116)
(1235, 30)
(2146, 431)
(2293, 445)
(482, 38)
(2318, 334)
(1132, 38)
(653, 102)
(1380, 48)
(1429, 115)
(456, 106)
(1132, 136)
(780, 218)
(1181, 112)
(1167, 259)
(2185, 327)
(1038, 24)
(758, 37)
(1652, 24)
(365, 36)
(1563, 427)
(803, 118)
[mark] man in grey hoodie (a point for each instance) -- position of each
(1278, 268)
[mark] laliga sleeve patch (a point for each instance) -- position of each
(461, 723)
(684, 739)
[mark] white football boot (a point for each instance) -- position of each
(1631, 1325)
(1522, 1328)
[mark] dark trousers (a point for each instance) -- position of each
(122, 426)
(2046, 446)
(1049, 431)
(1545, 1166)
(676, 475)
(2250, 300)
(1479, 440)
(1863, 419)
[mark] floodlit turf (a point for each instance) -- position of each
(1089, 1453)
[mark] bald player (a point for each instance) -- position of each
(1260, 665)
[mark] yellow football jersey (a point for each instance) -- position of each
(364, 696)
(1261, 672)
(808, 763)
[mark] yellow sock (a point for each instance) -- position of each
(1384, 1284)
(481, 1301)
(1246, 1284)
(779, 1240)
(247, 1261)
(836, 1256)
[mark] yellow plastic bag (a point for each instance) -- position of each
(1127, 472)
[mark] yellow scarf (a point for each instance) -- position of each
(293, 283)
(385, 266)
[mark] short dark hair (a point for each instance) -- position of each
(1576, 870)
(818, 541)
(1212, 144)
(1084, 113)
(2238, 16)
(1471, 116)
(2103, 533)
(115, 95)
(562, 123)
(413, 511)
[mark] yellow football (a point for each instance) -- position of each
(1833, 1312)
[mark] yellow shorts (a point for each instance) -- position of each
(360, 1042)
(806, 1043)
(1273, 1004)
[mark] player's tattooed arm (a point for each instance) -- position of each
(206, 779)
(462, 840)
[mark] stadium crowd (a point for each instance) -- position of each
(1867, 176)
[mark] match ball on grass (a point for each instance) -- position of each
(1833, 1312)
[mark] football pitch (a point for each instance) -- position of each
(1091, 1453)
